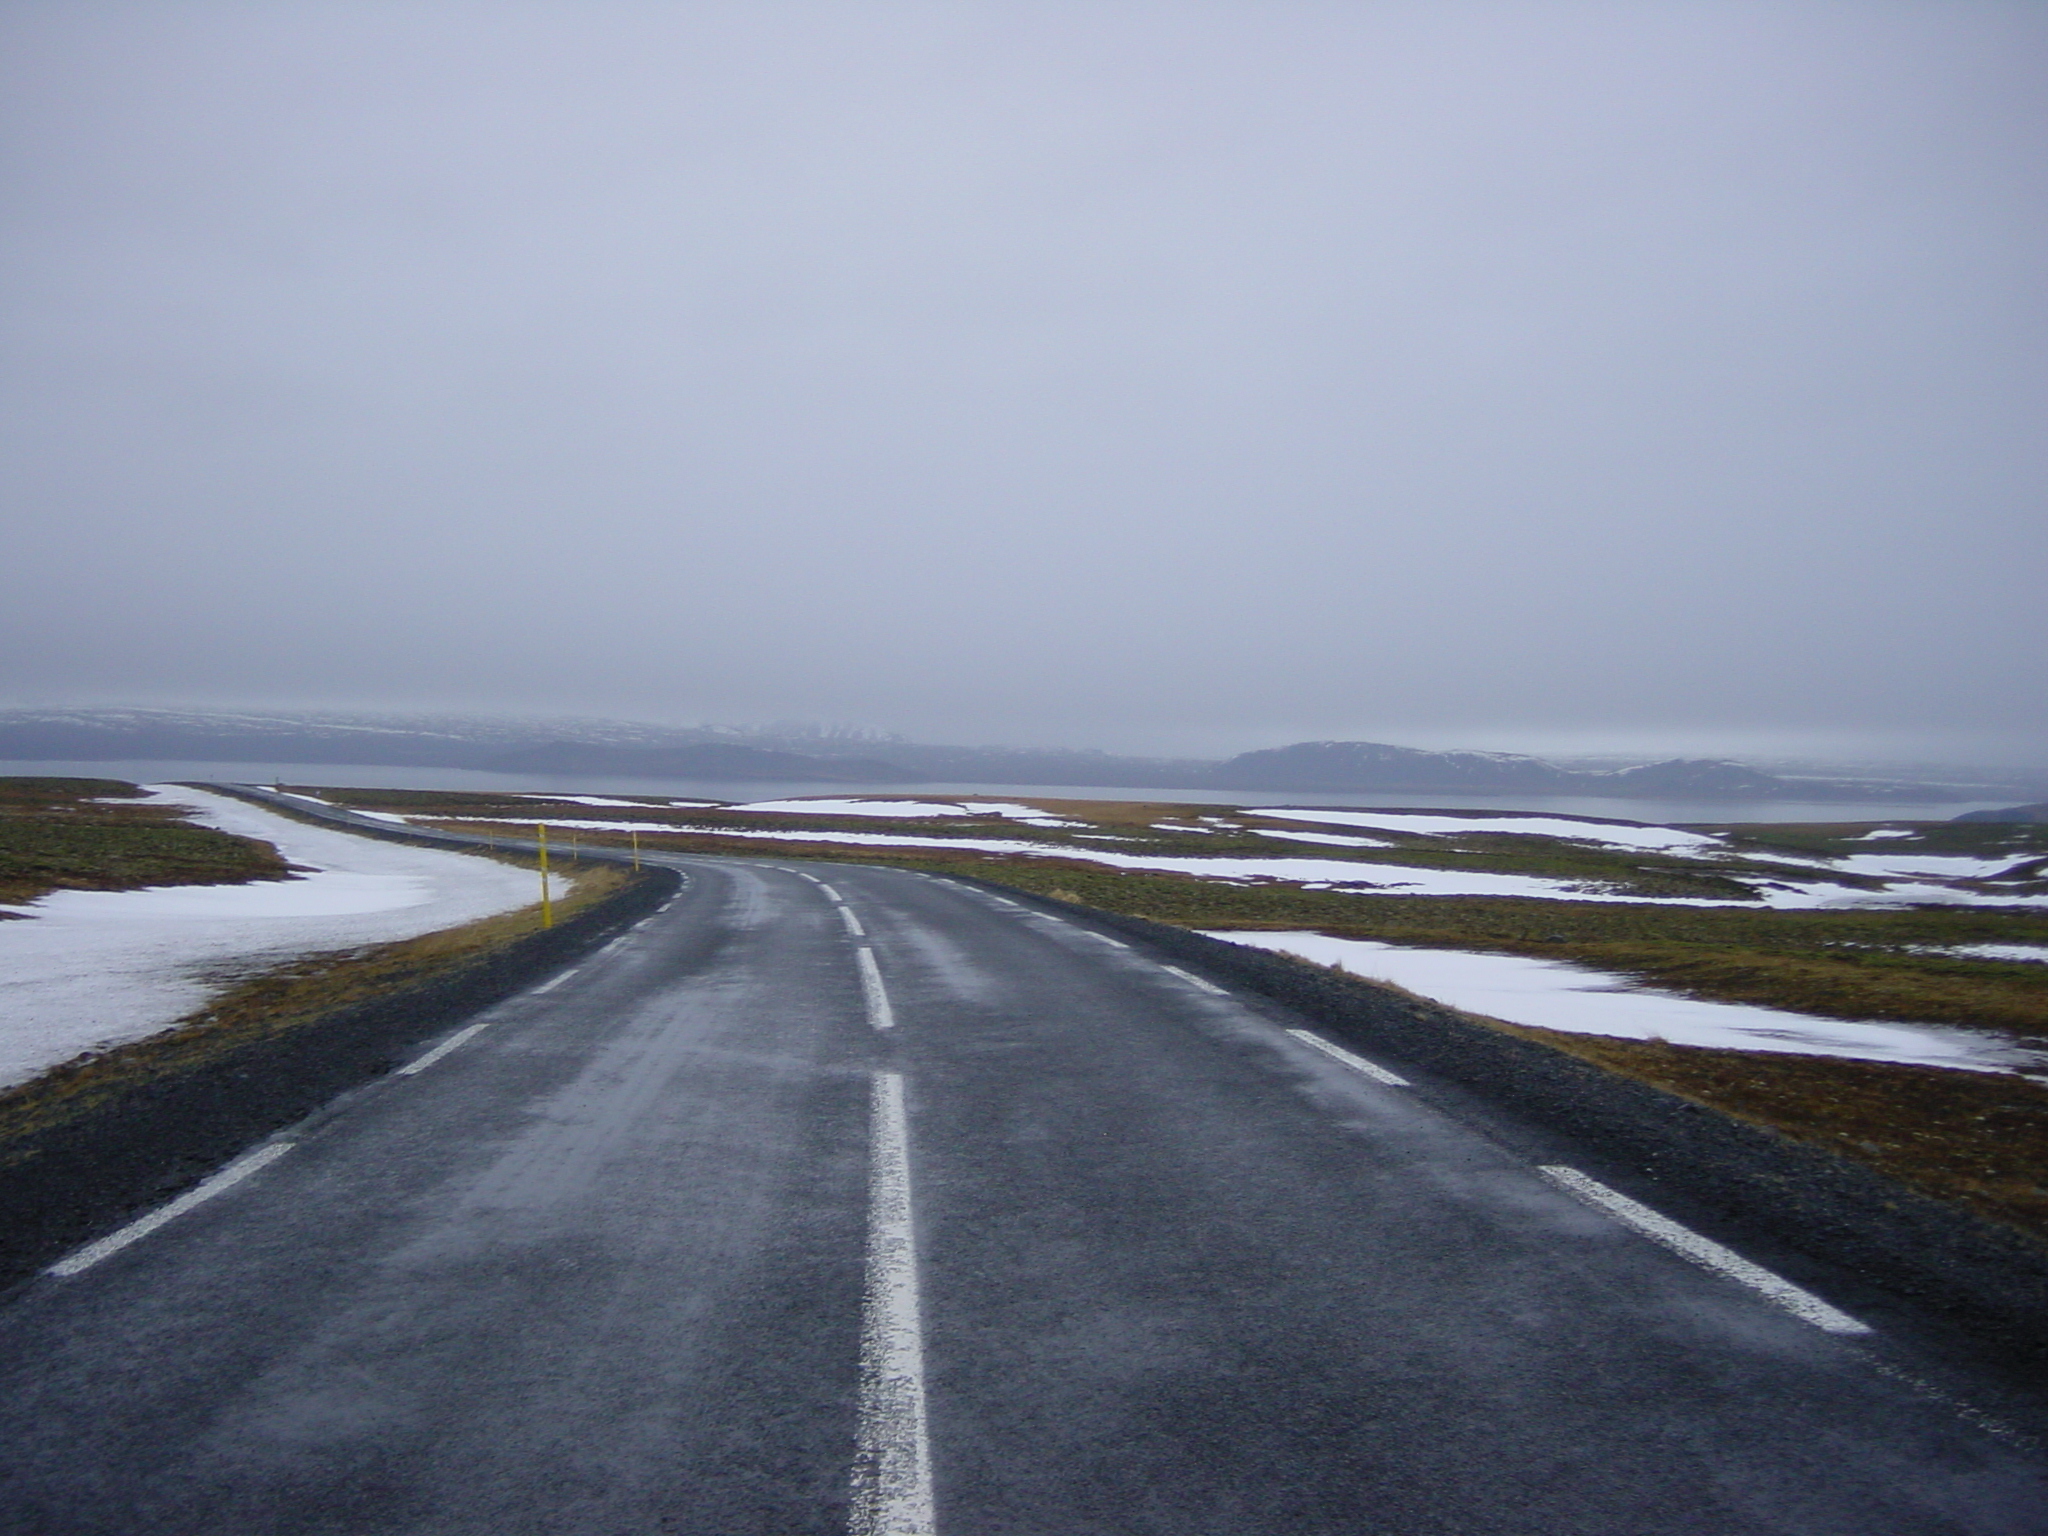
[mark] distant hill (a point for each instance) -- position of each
(805, 754)
(1702, 777)
(1342, 765)
(1327, 766)
(492, 746)
(2010, 813)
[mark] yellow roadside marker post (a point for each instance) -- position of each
(573, 855)
(547, 902)
(636, 847)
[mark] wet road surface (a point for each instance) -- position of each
(848, 1199)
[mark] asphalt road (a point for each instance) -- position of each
(1003, 1228)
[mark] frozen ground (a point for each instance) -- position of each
(1780, 880)
(909, 809)
(632, 805)
(83, 970)
(2036, 954)
(1329, 839)
(1370, 878)
(1397, 879)
(1571, 828)
(1881, 865)
(1550, 994)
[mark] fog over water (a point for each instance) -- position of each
(1165, 378)
(358, 776)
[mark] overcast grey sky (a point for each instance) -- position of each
(1175, 377)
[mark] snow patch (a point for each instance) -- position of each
(1640, 838)
(1551, 994)
(86, 970)
(1943, 866)
(1357, 875)
(601, 801)
(1332, 838)
(911, 809)
(916, 809)
(2036, 954)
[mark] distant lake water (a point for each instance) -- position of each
(356, 776)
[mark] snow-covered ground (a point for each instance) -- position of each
(1644, 839)
(1396, 879)
(1327, 874)
(1572, 828)
(82, 970)
(1328, 839)
(2035, 954)
(1551, 994)
(602, 800)
(1778, 879)
(907, 809)
(1943, 866)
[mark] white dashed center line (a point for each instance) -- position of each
(892, 1474)
(880, 1014)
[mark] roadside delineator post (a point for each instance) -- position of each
(636, 847)
(547, 903)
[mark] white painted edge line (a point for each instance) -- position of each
(421, 1063)
(821, 885)
(199, 1194)
(549, 986)
(892, 1471)
(1377, 1073)
(1703, 1251)
(1103, 938)
(880, 1014)
(852, 923)
(1189, 976)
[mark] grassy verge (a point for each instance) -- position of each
(62, 834)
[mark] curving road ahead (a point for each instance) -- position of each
(886, 1205)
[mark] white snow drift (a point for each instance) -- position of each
(84, 970)
(1550, 994)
